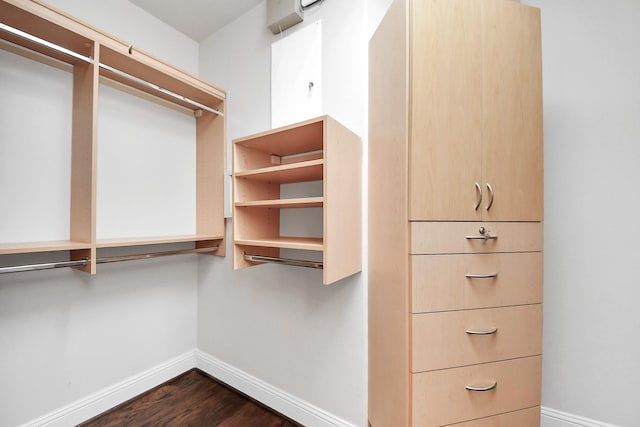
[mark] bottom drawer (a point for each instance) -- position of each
(442, 397)
(524, 418)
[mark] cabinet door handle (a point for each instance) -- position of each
(479, 190)
(481, 276)
(484, 235)
(487, 332)
(487, 388)
(490, 195)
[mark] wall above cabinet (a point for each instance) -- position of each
(319, 149)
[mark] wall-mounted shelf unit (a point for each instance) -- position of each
(41, 32)
(319, 149)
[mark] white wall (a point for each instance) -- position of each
(277, 323)
(591, 74)
(63, 334)
(132, 24)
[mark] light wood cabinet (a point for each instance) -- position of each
(475, 85)
(455, 211)
(93, 56)
(319, 149)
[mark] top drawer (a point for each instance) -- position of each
(474, 237)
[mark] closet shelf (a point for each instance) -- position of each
(47, 246)
(305, 243)
(139, 241)
(305, 202)
(310, 170)
(318, 151)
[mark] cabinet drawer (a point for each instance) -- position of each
(441, 340)
(441, 397)
(524, 418)
(466, 237)
(440, 282)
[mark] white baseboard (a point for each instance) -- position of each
(283, 402)
(96, 403)
(554, 418)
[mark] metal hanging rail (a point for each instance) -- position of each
(84, 262)
(43, 266)
(127, 76)
(160, 89)
(284, 261)
(44, 43)
(155, 255)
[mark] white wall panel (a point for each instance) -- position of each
(296, 76)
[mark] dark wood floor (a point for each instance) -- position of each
(191, 400)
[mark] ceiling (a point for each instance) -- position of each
(196, 18)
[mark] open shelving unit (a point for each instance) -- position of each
(320, 149)
(38, 31)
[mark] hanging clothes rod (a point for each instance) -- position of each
(43, 266)
(160, 89)
(45, 43)
(155, 255)
(84, 262)
(284, 261)
(127, 76)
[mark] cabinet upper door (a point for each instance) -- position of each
(446, 109)
(512, 111)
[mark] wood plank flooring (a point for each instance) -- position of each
(192, 399)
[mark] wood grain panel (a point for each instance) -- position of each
(439, 282)
(311, 170)
(523, 418)
(446, 109)
(440, 397)
(84, 156)
(389, 382)
(287, 140)
(450, 237)
(512, 110)
(342, 189)
(440, 341)
(210, 161)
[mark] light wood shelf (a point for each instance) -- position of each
(304, 202)
(304, 243)
(48, 246)
(94, 55)
(284, 174)
(319, 149)
(160, 240)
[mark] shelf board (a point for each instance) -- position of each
(48, 246)
(139, 241)
(306, 202)
(306, 243)
(310, 170)
(287, 140)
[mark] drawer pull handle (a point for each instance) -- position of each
(479, 189)
(487, 332)
(490, 194)
(481, 276)
(487, 388)
(484, 235)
